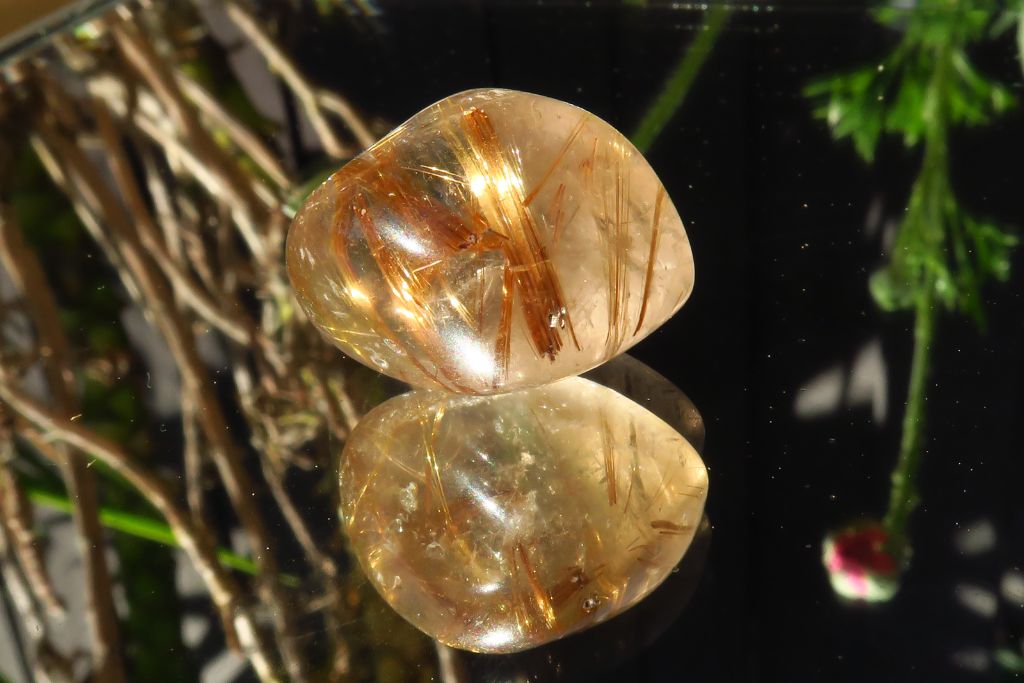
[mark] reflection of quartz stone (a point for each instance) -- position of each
(638, 382)
(498, 524)
(494, 241)
(592, 654)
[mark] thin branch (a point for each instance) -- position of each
(338, 393)
(150, 119)
(205, 175)
(149, 234)
(279, 62)
(48, 666)
(29, 278)
(138, 52)
(338, 105)
(224, 452)
(193, 458)
(181, 260)
(332, 411)
(236, 130)
(271, 461)
(83, 205)
(193, 539)
(84, 181)
(163, 202)
(16, 520)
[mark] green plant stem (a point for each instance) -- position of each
(148, 529)
(904, 496)
(679, 81)
(1020, 37)
(926, 212)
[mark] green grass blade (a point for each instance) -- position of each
(146, 528)
(679, 81)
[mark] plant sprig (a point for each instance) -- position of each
(923, 88)
(943, 255)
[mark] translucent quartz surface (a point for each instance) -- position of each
(637, 381)
(496, 240)
(497, 524)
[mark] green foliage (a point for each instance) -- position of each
(942, 247)
(899, 94)
(143, 526)
(942, 255)
(924, 87)
(1020, 37)
(1010, 661)
(54, 223)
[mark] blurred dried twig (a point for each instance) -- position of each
(314, 101)
(30, 280)
(187, 205)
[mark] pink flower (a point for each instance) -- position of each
(861, 564)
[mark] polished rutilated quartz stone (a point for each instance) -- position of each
(500, 523)
(639, 382)
(494, 241)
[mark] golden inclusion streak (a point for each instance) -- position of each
(409, 287)
(634, 466)
(556, 210)
(623, 186)
(665, 527)
(577, 129)
(404, 287)
(339, 244)
(429, 441)
(504, 211)
(651, 257)
(433, 471)
(504, 339)
(540, 596)
(618, 253)
(609, 459)
(438, 173)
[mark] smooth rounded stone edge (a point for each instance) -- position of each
(496, 240)
(498, 524)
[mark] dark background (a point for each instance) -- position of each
(786, 226)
